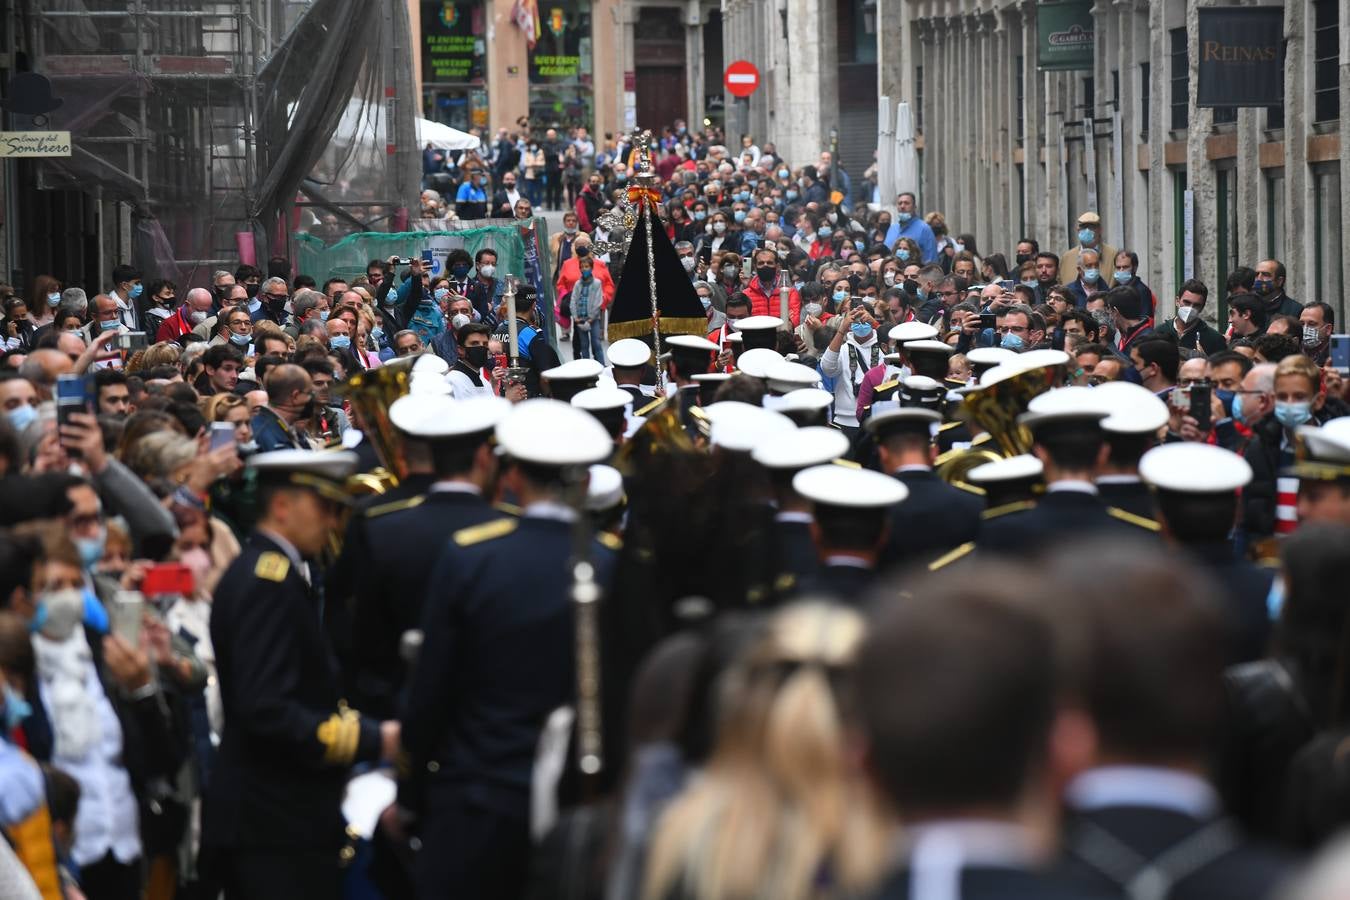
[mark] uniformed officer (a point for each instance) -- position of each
(738, 427)
(686, 356)
(809, 406)
(630, 365)
(982, 359)
(786, 377)
(759, 331)
(1323, 472)
(1136, 415)
(1196, 489)
(272, 822)
(1066, 428)
(850, 508)
(757, 362)
(606, 501)
(708, 383)
(571, 378)
(1010, 485)
(791, 544)
(395, 544)
(498, 657)
(936, 517)
(610, 407)
(1144, 660)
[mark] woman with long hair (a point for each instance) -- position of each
(778, 811)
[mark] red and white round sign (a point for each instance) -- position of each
(741, 78)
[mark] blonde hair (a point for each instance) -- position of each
(1298, 364)
(217, 406)
(778, 802)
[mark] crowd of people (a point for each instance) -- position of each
(907, 571)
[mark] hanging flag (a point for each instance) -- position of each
(526, 16)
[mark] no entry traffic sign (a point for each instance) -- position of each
(741, 78)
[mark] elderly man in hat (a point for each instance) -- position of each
(1089, 236)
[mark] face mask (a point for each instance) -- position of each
(699, 215)
(833, 217)
(889, 279)
(1312, 336)
(586, 276)
(477, 356)
(91, 549)
(20, 417)
(861, 331)
(790, 195)
(339, 342)
(1085, 235)
(1031, 284)
(1237, 408)
(858, 245)
(196, 317)
(840, 296)
(739, 215)
(459, 321)
(16, 708)
(960, 247)
(1292, 415)
(783, 254)
(377, 334)
(902, 254)
(239, 340)
(254, 305)
(728, 272)
(584, 250)
(1264, 287)
(53, 299)
(743, 196)
(707, 304)
(1090, 276)
(813, 309)
(1226, 398)
(783, 173)
(825, 231)
(766, 273)
(1023, 258)
(441, 294)
(1185, 314)
(1123, 276)
(570, 229)
(109, 326)
(58, 613)
(1012, 342)
(460, 271)
(688, 262)
(487, 271)
(719, 227)
(135, 291)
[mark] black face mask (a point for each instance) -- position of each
(477, 356)
(251, 290)
(767, 273)
(1024, 258)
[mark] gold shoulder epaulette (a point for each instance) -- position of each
(649, 407)
(340, 735)
(968, 488)
(610, 541)
(476, 534)
(846, 463)
(1006, 508)
(950, 557)
(1127, 516)
(886, 386)
(395, 506)
(785, 582)
(509, 508)
(272, 566)
(945, 426)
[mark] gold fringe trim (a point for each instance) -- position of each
(639, 328)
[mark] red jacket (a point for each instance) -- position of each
(761, 304)
(175, 326)
(569, 275)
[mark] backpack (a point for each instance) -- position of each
(427, 322)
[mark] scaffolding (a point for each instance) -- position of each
(201, 115)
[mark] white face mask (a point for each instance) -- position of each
(459, 321)
(688, 262)
(1185, 314)
(61, 613)
(488, 270)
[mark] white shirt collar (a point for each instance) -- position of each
(847, 559)
(1151, 786)
(913, 468)
(456, 487)
(1119, 479)
(936, 852)
(550, 509)
(1072, 485)
(804, 518)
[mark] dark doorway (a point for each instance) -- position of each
(660, 54)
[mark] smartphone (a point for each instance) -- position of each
(131, 341)
(1340, 352)
(222, 435)
(745, 268)
(500, 361)
(1007, 284)
(1200, 398)
(427, 258)
(988, 321)
(72, 396)
(125, 616)
(856, 303)
(402, 261)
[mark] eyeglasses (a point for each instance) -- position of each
(948, 293)
(278, 298)
(1013, 329)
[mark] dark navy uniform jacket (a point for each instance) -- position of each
(1059, 516)
(933, 519)
(288, 739)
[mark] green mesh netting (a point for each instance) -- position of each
(349, 256)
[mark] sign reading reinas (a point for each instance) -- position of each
(33, 144)
(1241, 56)
(1065, 33)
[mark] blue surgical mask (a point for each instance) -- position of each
(707, 304)
(783, 173)
(135, 290)
(904, 218)
(902, 254)
(460, 271)
(240, 340)
(790, 195)
(54, 299)
(20, 417)
(1031, 284)
(339, 342)
(1086, 235)
(1090, 276)
(1226, 398)
(16, 708)
(861, 331)
(1012, 342)
(700, 215)
(1292, 415)
(91, 549)
(323, 315)
(112, 325)
(840, 296)
(739, 215)
(858, 245)
(377, 334)
(1237, 409)
(586, 276)
(442, 294)
(825, 231)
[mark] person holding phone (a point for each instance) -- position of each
(853, 351)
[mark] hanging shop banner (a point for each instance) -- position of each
(562, 55)
(1065, 35)
(453, 49)
(1241, 56)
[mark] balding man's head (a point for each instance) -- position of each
(70, 343)
(42, 366)
(105, 308)
(289, 390)
(198, 299)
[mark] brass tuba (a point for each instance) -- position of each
(370, 394)
(994, 407)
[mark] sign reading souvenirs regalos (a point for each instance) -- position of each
(452, 51)
(32, 144)
(1241, 56)
(562, 53)
(1065, 35)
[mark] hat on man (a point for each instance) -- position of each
(757, 362)
(982, 359)
(570, 378)
(897, 420)
(812, 446)
(605, 489)
(629, 353)
(1011, 480)
(435, 417)
(928, 357)
(846, 489)
(738, 427)
(1326, 452)
(1090, 218)
(911, 331)
(321, 471)
(1133, 409)
(549, 433)
(1074, 405)
(786, 377)
(708, 383)
(759, 331)
(809, 406)
(1188, 467)
(609, 405)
